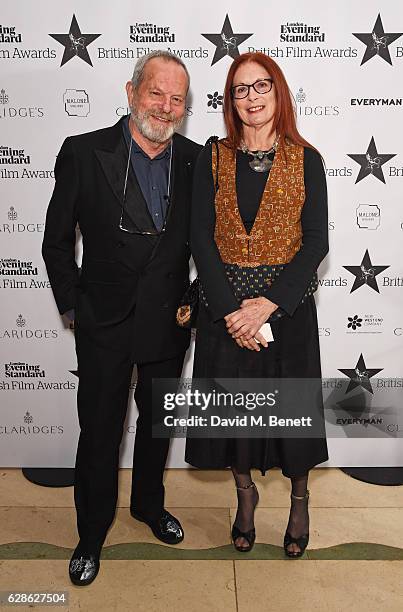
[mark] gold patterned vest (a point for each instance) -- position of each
(276, 234)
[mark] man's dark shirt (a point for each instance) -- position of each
(152, 176)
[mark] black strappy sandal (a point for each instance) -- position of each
(250, 535)
(302, 541)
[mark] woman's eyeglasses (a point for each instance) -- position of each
(261, 86)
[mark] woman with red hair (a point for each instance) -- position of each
(259, 231)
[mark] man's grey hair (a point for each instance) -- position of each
(138, 73)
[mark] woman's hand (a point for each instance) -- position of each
(253, 343)
(245, 322)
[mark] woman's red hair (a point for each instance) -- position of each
(284, 121)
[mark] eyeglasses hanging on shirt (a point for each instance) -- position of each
(126, 223)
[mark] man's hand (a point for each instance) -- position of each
(245, 322)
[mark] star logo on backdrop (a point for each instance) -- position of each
(226, 42)
(360, 375)
(365, 274)
(371, 162)
(75, 43)
(377, 42)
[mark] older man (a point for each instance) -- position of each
(128, 187)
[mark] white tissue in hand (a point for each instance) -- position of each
(266, 332)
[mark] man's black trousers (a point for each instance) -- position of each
(103, 392)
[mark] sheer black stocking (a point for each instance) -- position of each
(248, 498)
(298, 523)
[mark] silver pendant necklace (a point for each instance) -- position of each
(261, 161)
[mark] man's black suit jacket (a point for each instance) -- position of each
(129, 287)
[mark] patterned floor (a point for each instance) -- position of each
(354, 559)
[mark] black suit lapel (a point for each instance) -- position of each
(136, 215)
(114, 162)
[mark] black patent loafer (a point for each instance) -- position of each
(83, 568)
(167, 528)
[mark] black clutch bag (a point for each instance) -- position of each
(186, 315)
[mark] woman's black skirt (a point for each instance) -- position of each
(293, 354)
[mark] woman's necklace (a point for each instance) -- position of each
(261, 161)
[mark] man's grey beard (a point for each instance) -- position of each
(158, 133)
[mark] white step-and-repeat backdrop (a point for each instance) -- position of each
(63, 71)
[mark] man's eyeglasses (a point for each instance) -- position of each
(261, 86)
(126, 224)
